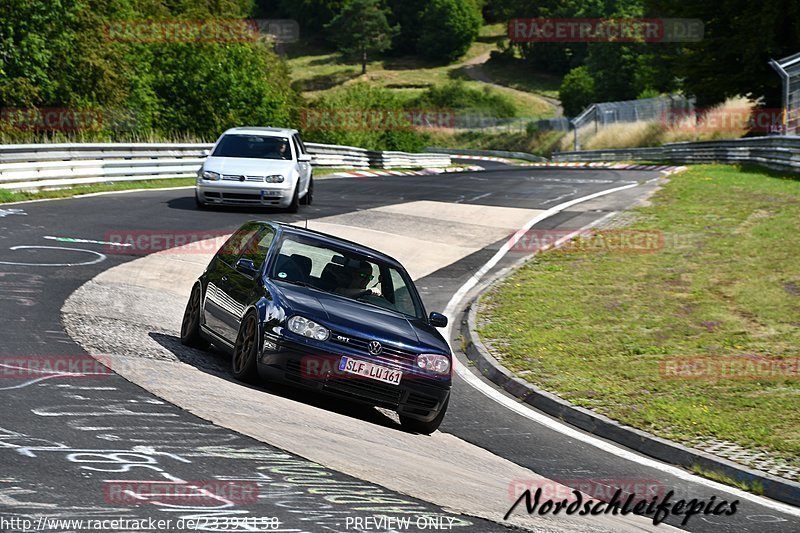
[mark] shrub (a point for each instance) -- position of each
(347, 103)
(448, 28)
(457, 95)
(577, 91)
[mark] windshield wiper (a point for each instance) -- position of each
(297, 282)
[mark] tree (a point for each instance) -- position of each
(577, 91)
(449, 28)
(739, 39)
(361, 27)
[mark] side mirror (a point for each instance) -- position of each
(437, 320)
(206, 153)
(304, 158)
(246, 267)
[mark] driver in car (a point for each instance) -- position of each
(283, 150)
(359, 277)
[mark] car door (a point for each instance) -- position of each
(219, 307)
(244, 283)
(304, 167)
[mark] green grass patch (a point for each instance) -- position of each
(595, 327)
(21, 196)
(317, 71)
(517, 74)
(755, 488)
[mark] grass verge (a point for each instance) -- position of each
(600, 328)
(21, 196)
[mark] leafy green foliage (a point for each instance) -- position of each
(407, 14)
(449, 27)
(341, 121)
(361, 27)
(577, 91)
(60, 54)
(456, 95)
(739, 39)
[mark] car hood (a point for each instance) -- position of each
(358, 319)
(248, 167)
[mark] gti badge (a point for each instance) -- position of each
(375, 348)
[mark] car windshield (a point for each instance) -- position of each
(253, 147)
(305, 262)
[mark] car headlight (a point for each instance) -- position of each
(308, 328)
(277, 178)
(210, 176)
(438, 364)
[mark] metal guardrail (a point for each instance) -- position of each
(37, 166)
(489, 153)
(777, 152)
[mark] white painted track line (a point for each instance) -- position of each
(455, 303)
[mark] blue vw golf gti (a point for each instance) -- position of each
(317, 311)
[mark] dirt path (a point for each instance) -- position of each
(474, 69)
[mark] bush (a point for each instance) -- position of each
(58, 55)
(448, 28)
(577, 91)
(336, 118)
(457, 95)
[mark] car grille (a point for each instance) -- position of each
(389, 352)
(238, 177)
(419, 400)
(368, 389)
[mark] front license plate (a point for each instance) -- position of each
(370, 370)
(270, 194)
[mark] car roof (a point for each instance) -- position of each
(333, 240)
(270, 132)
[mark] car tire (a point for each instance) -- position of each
(198, 203)
(245, 351)
(309, 197)
(295, 205)
(190, 325)
(413, 425)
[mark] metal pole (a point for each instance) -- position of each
(785, 82)
(575, 146)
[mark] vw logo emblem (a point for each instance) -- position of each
(375, 348)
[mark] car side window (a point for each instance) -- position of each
(233, 247)
(300, 143)
(257, 250)
(403, 301)
(296, 146)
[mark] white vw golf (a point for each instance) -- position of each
(256, 166)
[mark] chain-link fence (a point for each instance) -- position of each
(789, 70)
(643, 110)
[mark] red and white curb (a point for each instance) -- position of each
(575, 164)
(423, 172)
(664, 169)
(604, 164)
(483, 158)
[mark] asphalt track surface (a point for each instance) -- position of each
(64, 439)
